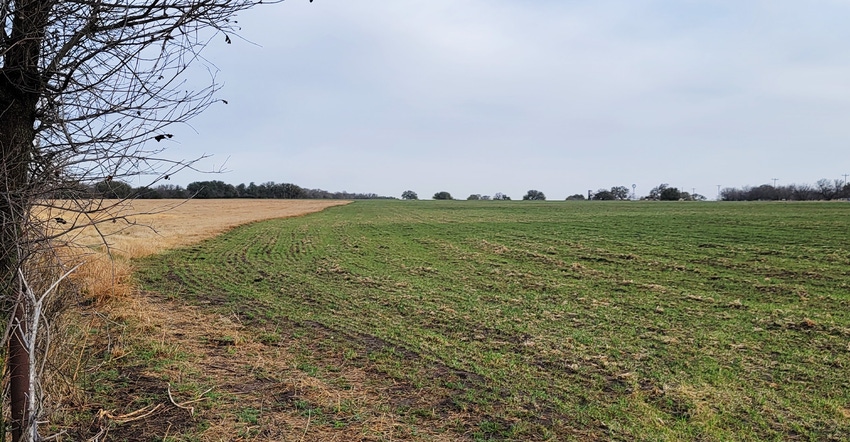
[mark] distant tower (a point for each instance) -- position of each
(634, 191)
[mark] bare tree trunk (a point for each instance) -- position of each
(13, 173)
(19, 373)
(19, 90)
(15, 144)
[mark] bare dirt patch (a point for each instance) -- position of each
(255, 386)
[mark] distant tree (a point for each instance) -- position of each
(604, 195)
(113, 189)
(211, 189)
(793, 192)
(765, 192)
(170, 191)
(499, 196)
(485, 197)
(251, 190)
(731, 194)
(409, 195)
(670, 194)
(655, 193)
(324, 194)
(473, 197)
(826, 189)
(160, 191)
(443, 196)
(534, 195)
(620, 192)
(576, 197)
(838, 186)
(290, 191)
(845, 191)
(803, 192)
(218, 189)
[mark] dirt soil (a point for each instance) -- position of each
(261, 392)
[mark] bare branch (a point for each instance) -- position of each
(88, 92)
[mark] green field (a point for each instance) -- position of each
(559, 320)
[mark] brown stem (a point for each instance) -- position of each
(19, 373)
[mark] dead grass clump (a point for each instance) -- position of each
(102, 278)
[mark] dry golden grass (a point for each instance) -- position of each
(156, 225)
(145, 227)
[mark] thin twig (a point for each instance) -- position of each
(183, 405)
(96, 438)
(129, 417)
(309, 415)
(55, 436)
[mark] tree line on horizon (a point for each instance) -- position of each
(662, 192)
(218, 189)
(823, 190)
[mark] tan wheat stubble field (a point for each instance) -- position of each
(146, 227)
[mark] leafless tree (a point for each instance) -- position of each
(827, 189)
(88, 90)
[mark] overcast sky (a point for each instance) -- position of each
(486, 96)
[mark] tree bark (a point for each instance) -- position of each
(15, 147)
(20, 87)
(19, 374)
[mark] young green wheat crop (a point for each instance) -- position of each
(652, 321)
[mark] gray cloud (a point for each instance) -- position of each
(484, 96)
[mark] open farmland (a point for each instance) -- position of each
(145, 227)
(533, 321)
